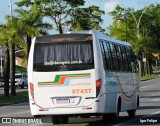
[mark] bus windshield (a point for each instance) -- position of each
(68, 55)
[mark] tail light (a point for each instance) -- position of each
(31, 86)
(98, 85)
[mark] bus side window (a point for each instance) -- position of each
(119, 57)
(108, 56)
(103, 55)
(128, 53)
(133, 60)
(124, 58)
(114, 58)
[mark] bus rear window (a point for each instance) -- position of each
(63, 56)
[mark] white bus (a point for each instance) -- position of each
(82, 74)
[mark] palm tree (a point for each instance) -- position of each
(6, 71)
(3, 43)
(26, 25)
(12, 37)
(31, 22)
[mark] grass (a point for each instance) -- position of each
(148, 77)
(19, 98)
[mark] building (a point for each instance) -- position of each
(18, 58)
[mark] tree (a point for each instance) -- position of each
(12, 59)
(31, 23)
(3, 43)
(6, 71)
(148, 29)
(14, 37)
(26, 25)
(143, 36)
(57, 10)
(123, 26)
(86, 19)
(68, 14)
(9, 35)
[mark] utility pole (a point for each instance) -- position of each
(11, 14)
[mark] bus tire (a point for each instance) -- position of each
(106, 118)
(60, 119)
(131, 113)
(137, 101)
(115, 116)
(55, 120)
(63, 119)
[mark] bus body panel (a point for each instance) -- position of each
(120, 85)
(93, 109)
(72, 87)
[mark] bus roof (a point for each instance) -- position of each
(101, 36)
(98, 35)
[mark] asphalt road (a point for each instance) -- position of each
(148, 113)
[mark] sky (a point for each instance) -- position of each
(106, 5)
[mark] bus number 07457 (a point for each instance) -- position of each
(81, 91)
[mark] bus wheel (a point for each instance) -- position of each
(55, 120)
(138, 102)
(63, 119)
(131, 113)
(115, 116)
(60, 119)
(106, 118)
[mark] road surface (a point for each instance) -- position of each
(149, 110)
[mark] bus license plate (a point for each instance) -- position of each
(62, 101)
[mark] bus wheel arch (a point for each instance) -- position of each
(119, 104)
